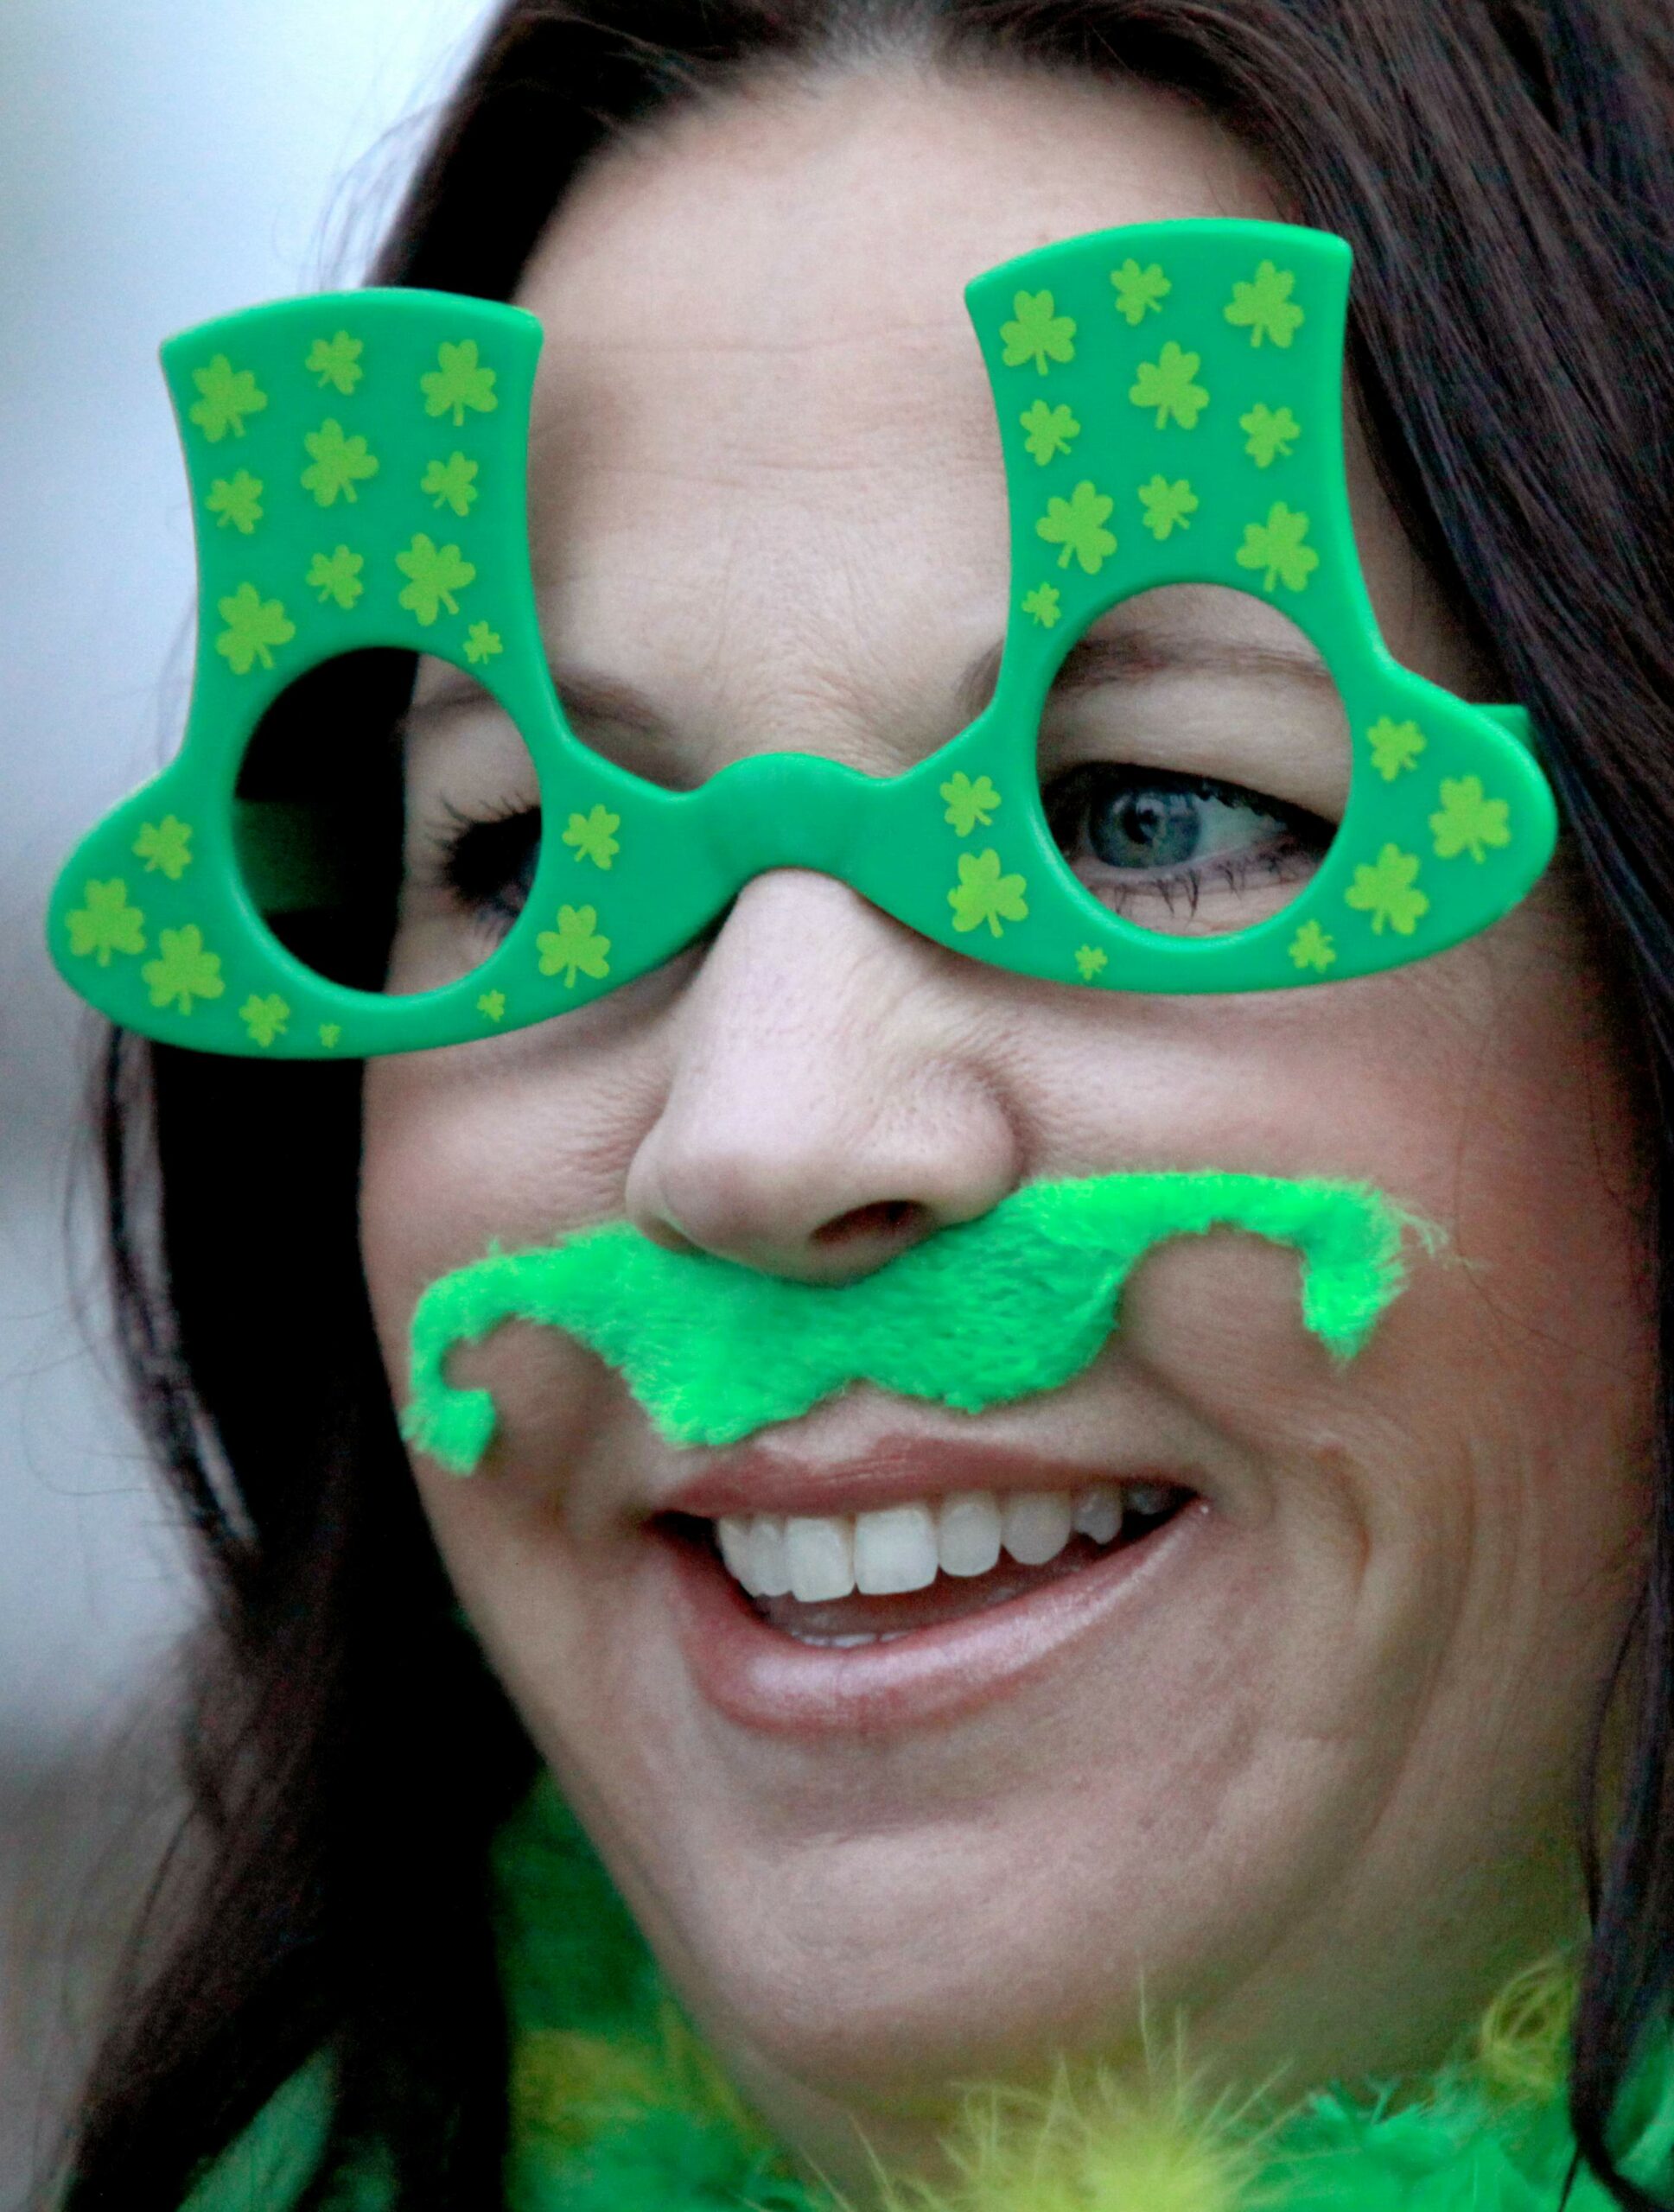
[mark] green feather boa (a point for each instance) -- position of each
(617, 2108)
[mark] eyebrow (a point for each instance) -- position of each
(1126, 655)
(589, 696)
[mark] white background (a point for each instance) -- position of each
(161, 162)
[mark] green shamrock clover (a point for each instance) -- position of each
(1166, 383)
(1468, 822)
(1091, 960)
(337, 575)
(265, 1018)
(460, 382)
(492, 1004)
(254, 626)
(575, 945)
(166, 845)
(106, 924)
(1077, 524)
(968, 803)
(229, 395)
(984, 894)
(592, 836)
(1394, 746)
(1168, 506)
(1277, 546)
(452, 483)
(1269, 433)
(481, 643)
(1264, 306)
(1139, 292)
(336, 361)
(236, 499)
(436, 572)
(1042, 605)
(1387, 892)
(1048, 430)
(339, 463)
(1312, 947)
(1038, 334)
(184, 971)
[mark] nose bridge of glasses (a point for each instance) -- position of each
(786, 809)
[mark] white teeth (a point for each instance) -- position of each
(1099, 1515)
(1036, 1525)
(847, 1643)
(820, 1554)
(894, 1550)
(732, 1533)
(820, 1558)
(968, 1535)
(769, 1574)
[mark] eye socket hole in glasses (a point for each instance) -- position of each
(1194, 757)
(387, 822)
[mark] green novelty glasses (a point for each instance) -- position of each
(1169, 405)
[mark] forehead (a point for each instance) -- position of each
(759, 376)
(856, 207)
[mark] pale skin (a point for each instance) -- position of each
(1320, 1794)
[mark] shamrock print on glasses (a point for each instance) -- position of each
(1199, 768)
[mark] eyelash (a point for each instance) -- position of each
(1232, 872)
(486, 862)
(1068, 801)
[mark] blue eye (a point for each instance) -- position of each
(1145, 825)
(1132, 833)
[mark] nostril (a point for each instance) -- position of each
(671, 1238)
(885, 1218)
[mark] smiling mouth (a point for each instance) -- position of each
(846, 1580)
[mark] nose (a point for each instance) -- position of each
(828, 1104)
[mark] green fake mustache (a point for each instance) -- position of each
(992, 1310)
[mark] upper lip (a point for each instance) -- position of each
(756, 1478)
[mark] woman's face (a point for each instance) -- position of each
(1304, 1757)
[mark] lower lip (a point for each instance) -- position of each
(762, 1678)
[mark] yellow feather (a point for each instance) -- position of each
(1522, 2042)
(567, 2085)
(1093, 2142)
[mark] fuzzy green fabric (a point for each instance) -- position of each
(617, 2108)
(991, 1310)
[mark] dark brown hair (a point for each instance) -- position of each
(1505, 172)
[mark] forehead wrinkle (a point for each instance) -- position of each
(740, 371)
(851, 712)
(816, 647)
(875, 421)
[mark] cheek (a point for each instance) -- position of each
(1491, 1444)
(1542, 1299)
(517, 1142)
(1491, 1090)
